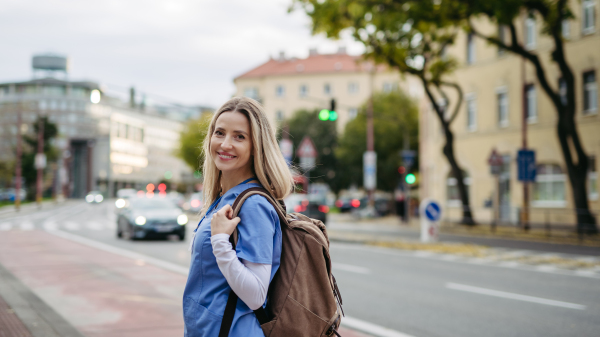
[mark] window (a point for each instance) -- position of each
(566, 28)
(562, 91)
(588, 17)
(303, 90)
(279, 115)
(590, 92)
(327, 89)
(531, 103)
(251, 92)
(502, 38)
(502, 97)
(530, 33)
(549, 186)
(592, 179)
(280, 91)
(352, 87)
(470, 49)
(471, 112)
(389, 87)
(352, 113)
(452, 195)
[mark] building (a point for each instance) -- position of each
(106, 143)
(491, 117)
(286, 85)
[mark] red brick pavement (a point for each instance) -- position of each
(99, 293)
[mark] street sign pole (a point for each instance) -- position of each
(495, 161)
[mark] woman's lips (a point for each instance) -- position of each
(225, 156)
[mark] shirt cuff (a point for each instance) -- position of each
(219, 237)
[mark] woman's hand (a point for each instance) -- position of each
(222, 223)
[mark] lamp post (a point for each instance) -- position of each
(18, 160)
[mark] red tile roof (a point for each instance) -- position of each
(314, 64)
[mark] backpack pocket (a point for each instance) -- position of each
(297, 320)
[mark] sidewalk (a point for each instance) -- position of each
(89, 291)
(344, 227)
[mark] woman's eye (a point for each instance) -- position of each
(218, 133)
(241, 137)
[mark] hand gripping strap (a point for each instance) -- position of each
(260, 313)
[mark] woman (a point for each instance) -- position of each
(240, 152)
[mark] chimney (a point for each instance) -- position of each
(342, 51)
(281, 56)
(313, 52)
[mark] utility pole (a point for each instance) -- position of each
(370, 135)
(40, 162)
(18, 160)
(525, 211)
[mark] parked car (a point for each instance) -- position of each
(151, 217)
(94, 197)
(194, 203)
(10, 193)
(309, 205)
(382, 205)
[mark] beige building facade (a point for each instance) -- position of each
(498, 87)
(286, 85)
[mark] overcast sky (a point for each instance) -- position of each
(185, 50)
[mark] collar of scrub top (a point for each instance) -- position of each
(214, 204)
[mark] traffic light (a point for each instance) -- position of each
(410, 179)
(330, 114)
(401, 169)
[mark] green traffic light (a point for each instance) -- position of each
(324, 115)
(410, 179)
(332, 115)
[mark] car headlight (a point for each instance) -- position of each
(99, 198)
(89, 198)
(120, 203)
(140, 220)
(182, 219)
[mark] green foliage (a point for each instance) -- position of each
(324, 136)
(7, 172)
(191, 139)
(394, 114)
(28, 170)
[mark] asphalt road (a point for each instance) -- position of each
(413, 295)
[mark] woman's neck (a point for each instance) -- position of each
(228, 181)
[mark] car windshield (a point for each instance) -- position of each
(152, 204)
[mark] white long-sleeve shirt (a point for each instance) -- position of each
(250, 281)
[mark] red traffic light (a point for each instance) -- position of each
(162, 187)
(401, 169)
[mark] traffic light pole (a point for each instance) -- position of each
(406, 186)
(18, 160)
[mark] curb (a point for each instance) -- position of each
(39, 318)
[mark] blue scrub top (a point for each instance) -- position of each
(206, 290)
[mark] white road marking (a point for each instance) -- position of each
(72, 226)
(370, 328)
(27, 226)
(95, 226)
(50, 226)
(351, 268)
(111, 224)
(512, 296)
(546, 268)
(5, 226)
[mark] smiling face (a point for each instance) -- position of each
(231, 144)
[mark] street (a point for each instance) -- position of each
(407, 292)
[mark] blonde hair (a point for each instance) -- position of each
(268, 165)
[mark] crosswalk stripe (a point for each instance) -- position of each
(5, 226)
(50, 226)
(72, 226)
(94, 225)
(27, 226)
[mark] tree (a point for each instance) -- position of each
(324, 137)
(406, 38)
(552, 13)
(29, 172)
(394, 114)
(191, 139)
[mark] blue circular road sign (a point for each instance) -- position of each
(433, 211)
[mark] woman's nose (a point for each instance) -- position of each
(226, 143)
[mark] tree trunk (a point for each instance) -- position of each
(448, 151)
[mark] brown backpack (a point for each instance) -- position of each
(301, 300)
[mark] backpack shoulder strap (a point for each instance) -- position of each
(260, 313)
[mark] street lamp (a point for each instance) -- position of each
(95, 96)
